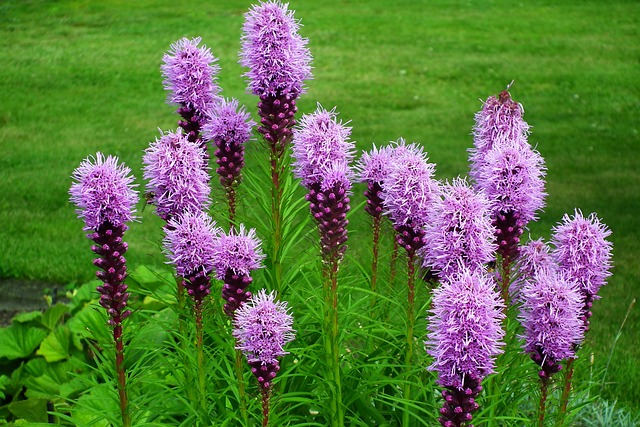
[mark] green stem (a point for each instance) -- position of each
(277, 170)
(122, 386)
(242, 398)
(566, 390)
(202, 391)
(410, 326)
(332, 347)
(543, 401)
(265, 406)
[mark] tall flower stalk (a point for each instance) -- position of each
(582, 252)
(104, 196)
(279, 62)
(189, 242)
(322, 152)
(262, 327)
(510, 172)
(229, 128)
(409, 192)
(551, 317)
(189, 73)
(464, 336)
(373, 167)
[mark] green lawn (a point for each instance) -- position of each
(82, 76)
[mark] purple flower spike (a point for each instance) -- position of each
(319, 143)
(409, 193)
(228, 128)
(373, 168)
(189, 75)
(276, 55)
(513, 180)
(263, 327)
(461, 235)
(279, 63)
(464, 335)
(499, 122)
(103, 192)
(552, 319)
(584, 254)
(177, 175)
(535, 256)
(104, 195)
(235, 256)
(190, 242)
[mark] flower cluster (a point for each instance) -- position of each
(234, 256)
(189, 73)
(584, 254)
(177, 175)
(464, 335)
(262, 328)
(104, 195)
(535, 257)
(279, 62)
(551, 317)
(189, 242)
(373, 168)
(228, 128)
(322, 152)
(461, 234)
(408, 194)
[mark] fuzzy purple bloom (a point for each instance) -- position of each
(228, 127)
(465, 331)
(276, 55)
(583, 251)
(373, 168)
(461, 235)
(499, 122)
(189, 73)
(464, 335)
(104, 195)
(103, 192)
(319, 142)
(262, 328)
(235, 256)
(552, 319)
(176, 171)
(535, 256)
(190, 242)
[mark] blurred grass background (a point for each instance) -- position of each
(82, 76)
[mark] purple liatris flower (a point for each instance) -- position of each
(103, 193)
(464, 335)
(499, 122)
(190, 243)
(235, 256)
(373, 168)
(228, 128)
(320, 142)
(177, 175)
(461, 234)
(189, 73)
(262, 328)
(279, 62)
(513, 180)
(408, 194)
(584, 254)
(552, 319)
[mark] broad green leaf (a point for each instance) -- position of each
(94, 408)
(27, 317)
(52, 316)
(83, 295)
(55, 347)
(30, 410)
(19, 340)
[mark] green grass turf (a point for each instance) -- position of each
(82, 76)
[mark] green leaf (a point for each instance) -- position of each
(52, 316)
(19, 340)
(30, 410)
(27, 317)
(56, 346)
(96, 407)
(84, 294)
